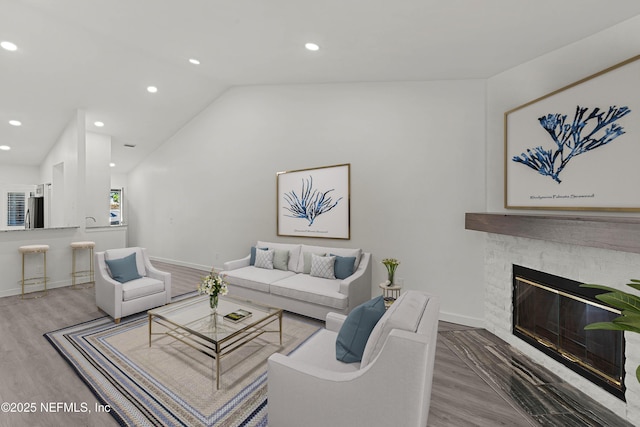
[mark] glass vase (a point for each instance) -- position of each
(213, 303)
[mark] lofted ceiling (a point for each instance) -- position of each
(100, 56)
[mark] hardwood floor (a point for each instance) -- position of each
(468, 387)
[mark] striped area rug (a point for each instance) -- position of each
(169, 383)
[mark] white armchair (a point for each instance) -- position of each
(390, 387)
(151, 289)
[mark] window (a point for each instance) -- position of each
(15, 209)
(115, 200)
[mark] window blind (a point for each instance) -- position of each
(15, 209)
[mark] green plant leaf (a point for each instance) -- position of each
(628, 328)
(635, 284)
(630, 314)
(609, 326)
(638, 373)
(594, 286)
(621, 300)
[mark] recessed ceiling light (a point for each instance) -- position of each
(5, 148)
(9, 46)
(311, 46)
(152, 89)
(194, 61)
(15, 123)
(112, 165)
(98, 124)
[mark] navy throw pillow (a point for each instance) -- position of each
(357, 327)
(343, 266)
(123, 269)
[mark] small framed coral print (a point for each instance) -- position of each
(577, 148)
(314, 202)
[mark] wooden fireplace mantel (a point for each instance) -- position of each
(614, 233)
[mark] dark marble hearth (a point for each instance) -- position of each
(528, 387)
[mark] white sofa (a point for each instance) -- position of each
(390, 387)
(118, 300)
(294, 290)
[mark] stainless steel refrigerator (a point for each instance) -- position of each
(34, 218)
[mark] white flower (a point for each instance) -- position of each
(213, 284)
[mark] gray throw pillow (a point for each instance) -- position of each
(280, 259)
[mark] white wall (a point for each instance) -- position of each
(29, 175)
(98, 179)
(68, 190)
(544, 75)
(417, 165)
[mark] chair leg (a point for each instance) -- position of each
(22, 295)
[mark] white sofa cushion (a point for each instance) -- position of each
(142, 287)
(335, 251)
(294, 252)
(307, 288)
(405, 314)
(255, 278)
(320, 351)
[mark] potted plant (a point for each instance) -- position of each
(628, 304)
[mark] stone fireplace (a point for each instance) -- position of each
(557, 250)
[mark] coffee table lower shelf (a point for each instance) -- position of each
(210, 334)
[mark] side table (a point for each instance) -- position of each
(389, 293)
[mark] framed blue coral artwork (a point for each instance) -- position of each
(577, 148)
(314, 202)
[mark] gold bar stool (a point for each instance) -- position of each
(83, 273)
(29, 250)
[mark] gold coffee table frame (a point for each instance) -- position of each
(192, 322)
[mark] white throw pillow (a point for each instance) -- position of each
(264, 259)
(322, 266)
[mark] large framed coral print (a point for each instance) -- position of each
(314, 202)
(578, 147)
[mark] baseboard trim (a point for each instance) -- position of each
(31, 288)
(183, 263)
(462, 320)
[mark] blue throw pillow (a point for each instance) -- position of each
(343, 267)
(356, 329)
(252, 259)
(123, 269)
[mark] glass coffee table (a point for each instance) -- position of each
(192, 322)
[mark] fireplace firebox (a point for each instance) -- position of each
(550, 313)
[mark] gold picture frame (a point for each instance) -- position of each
(314, 202)
(595, 118)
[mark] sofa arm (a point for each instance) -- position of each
(358, 286)
(108, 291)
(334, 321)
(236, 263)
(283, 367)
(164, 277)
